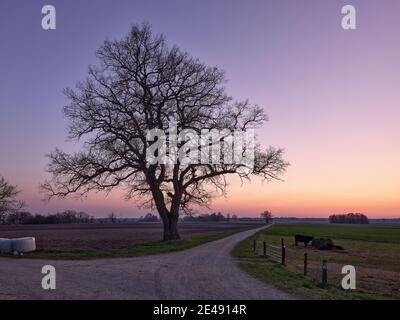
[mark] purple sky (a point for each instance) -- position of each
(332, 95)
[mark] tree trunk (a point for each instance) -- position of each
(169, 218)
(171, 228)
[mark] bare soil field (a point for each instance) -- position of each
(111, 236)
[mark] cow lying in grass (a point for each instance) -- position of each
(301, 238)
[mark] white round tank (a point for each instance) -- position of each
(5, 245)
(24, 244)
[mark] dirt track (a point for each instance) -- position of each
(204, 272)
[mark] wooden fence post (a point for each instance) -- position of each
(283, 255)
(254, 245)
(264, 248)
(305, 263)
(324, 272)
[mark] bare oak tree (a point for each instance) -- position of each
(8, 199)
(141, 84)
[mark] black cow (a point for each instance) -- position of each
(301, 238)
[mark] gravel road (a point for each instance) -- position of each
(203, 272)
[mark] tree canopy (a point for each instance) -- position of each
(9, 202)
(141, 84)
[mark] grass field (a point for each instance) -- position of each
(374, 250)
(82, 241)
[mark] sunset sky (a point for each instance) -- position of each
(332, 95)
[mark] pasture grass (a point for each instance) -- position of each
(374, 250)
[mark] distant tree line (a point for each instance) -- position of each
(65, 217)
(148, 218)
(351, 218)
(213, 217)
(112, 218)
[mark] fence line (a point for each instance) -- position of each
(307, 267)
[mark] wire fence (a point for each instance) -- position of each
(302, 261)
